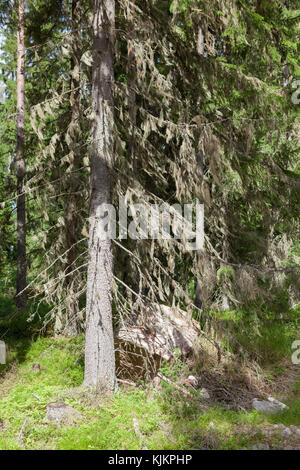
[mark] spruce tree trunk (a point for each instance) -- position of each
(99, 348)
(131, 73)
(72, 223)
(20, 163)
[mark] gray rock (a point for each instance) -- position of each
(269, 406)
(277, 402)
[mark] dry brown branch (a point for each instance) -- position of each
(20, 438)
(179, 389)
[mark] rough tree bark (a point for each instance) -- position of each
(20, 163)
(99, 349)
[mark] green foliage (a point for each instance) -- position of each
(224, 274)
(266, 336)
(14, 324)
(174, 369)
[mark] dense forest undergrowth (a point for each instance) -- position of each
(42, 369)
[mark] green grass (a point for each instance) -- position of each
(166, 419)
(292, 415)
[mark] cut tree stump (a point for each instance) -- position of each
(61, 413)
(152, 336)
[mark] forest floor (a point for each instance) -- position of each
(149, 416)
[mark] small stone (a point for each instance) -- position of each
(269, 406)
(297, 432)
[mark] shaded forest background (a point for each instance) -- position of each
(202, 109)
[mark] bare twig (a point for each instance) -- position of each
(20, 438)
(179, 389)
(127, 382)
(36, 397)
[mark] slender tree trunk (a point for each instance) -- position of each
(198, 295)
(131, 72)
(20, 163)
(72, 224)
(99, 349)
(130, 276)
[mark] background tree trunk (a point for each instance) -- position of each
(225, 304)
(20, 163)
(99, 351)
(72, 223)
(131, 71)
